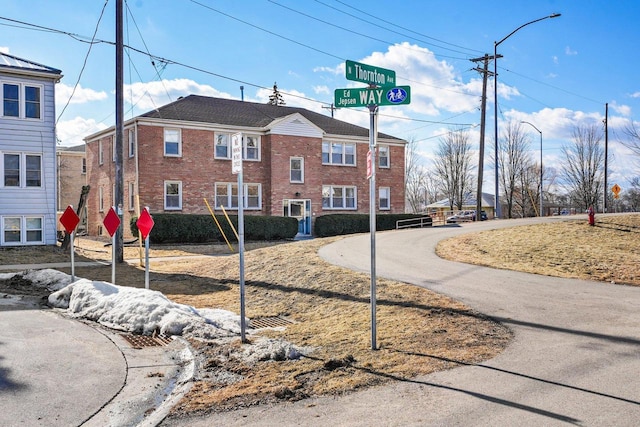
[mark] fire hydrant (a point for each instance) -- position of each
(592, 216)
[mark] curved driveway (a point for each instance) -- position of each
(575, 359)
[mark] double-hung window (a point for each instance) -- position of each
(384, 198)
(172, 143)
(383, 156)
(21, 101)
(227, 195)
(337, 153)
(100, 155)
(172, 195)
(22, 230)
(132, 142)
(22, 170)
(339, 197)
(250, 146)
(296, 169)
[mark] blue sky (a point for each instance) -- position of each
(555, 73)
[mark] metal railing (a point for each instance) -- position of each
(423, 221)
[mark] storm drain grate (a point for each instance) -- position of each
(270, 322)
(140, 341)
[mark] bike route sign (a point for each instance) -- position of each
(363, 97)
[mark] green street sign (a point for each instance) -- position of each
(363, 97)
(359, 72)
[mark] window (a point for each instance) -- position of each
(11, 100)
(172, 143)
(21, 101)
(32, 102)
(100, 157)
(132, 196)
(22, 230)
(338, 197)
(12, 170)
(384, 198)
(172, 195)
(132, 142)
(383, 156)
(227, 195)
(250, 146)
(22, 170)
(84, 165)
(296, 169)
(33, 171)
(113, 148)
(336, 153)
(100, 200)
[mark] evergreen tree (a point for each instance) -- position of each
(276, 98)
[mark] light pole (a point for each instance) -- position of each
(540, 132)
(495, 100)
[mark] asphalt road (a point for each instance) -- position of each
(575, 358)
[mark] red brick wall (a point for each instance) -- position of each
(198, 171)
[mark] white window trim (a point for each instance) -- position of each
(22, 179)
(344, 199)
(245, 195)
(113, 148)
(164, 142)
(388, 194)
(215, 145)
(100, 155)
(164, 198)
(22, 100)
(100, 200)
(244, 146)
(83, 166)
(23, 230)
(301, 181)
(388, 157)
(132, 193)
(344, 153)
(132, 142)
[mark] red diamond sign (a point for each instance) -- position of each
(69, 219)
(111, 221)
(145, 223)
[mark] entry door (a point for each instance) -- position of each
(301, 210)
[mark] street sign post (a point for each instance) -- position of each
(69, 220)
(111, 223)
(145, 224)
(369, 74)
(364, 97)
(236, 168)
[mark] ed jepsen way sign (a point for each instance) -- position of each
(363, 97)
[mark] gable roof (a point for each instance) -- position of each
(13, 64)
(204, 109)
(488, 201)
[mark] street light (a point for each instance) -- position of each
(495, 99)
(540, 132)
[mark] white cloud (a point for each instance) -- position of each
(72, 132)
(4, 49)
(338, 70)
(569, 51)
(635, 95)
(322, 89)
(624, 110)
(555, 59)
(146, 96)
(80, 96)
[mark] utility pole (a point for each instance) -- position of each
(332, 108)
(606, 154)
(485, 75)
(118, 247)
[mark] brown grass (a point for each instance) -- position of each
(607, 252)
(418, 331)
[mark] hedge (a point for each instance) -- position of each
(186, 228)
(339, 224)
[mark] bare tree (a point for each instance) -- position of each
(633, 139)
(414, 176)
(453, 167)
(514, 160)
(583, 172)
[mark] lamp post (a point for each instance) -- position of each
(495, 100)
(540, 132)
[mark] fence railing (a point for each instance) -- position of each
(423, 221)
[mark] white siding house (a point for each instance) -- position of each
(27, 152)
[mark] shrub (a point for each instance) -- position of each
(339, 224)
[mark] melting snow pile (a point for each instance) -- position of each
(142, 311)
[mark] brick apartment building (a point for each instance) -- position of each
(296, 163)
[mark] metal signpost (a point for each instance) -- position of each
(382, 90)
(236, 168)
(69, 220)
(145, 224)
(111, 223)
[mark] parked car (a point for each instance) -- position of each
(461, 216)
(464, 216)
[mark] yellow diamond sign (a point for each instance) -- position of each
(616, 190)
